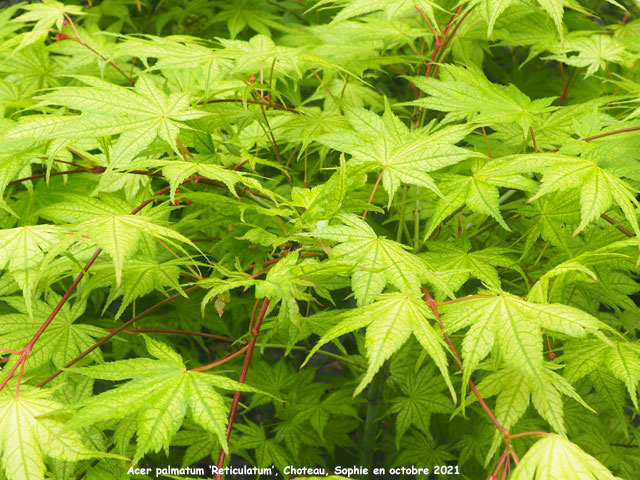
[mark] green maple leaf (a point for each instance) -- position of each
(267, 451)
(599, 188)
(141, 275)
(377, 261)
(390, 8)
(593, 52)
(515, 392)
(177, 171)
(554, 457)
(465, 93)
(421, 396)
(62, 341)
(513, 325)
(23, 253)
(47, 14)
(621, 359)
(254, 13)
(139, 115)
(159, 394)
(28, 432)
(390, 321)
(446, 256)
(110, 226)
(404, 156)
(479, 192)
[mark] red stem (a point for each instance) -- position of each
(533, 138)
(243, 375)
(114, 333)
(177, 332)
(373, 192)
(441, 41)
(26, 350)
(424, 17)
(78, 39)
(222, 360)
(618, 226)
(432, 304)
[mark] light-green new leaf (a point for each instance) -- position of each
(554, 457)
(110, 226)
(404, 156)
(159, 395)
(515, 326)
(139, 115)
(377, 261)
(390, 321)
(27, 434)
(599, 189)
(465, 93)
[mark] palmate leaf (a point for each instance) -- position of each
(377, 261)
(27, 434)
(554, 457)
(421, 396)
(109, 226)
(139, 115)
(159, 395)
(403, 155)
(515, 392)
(390, 8)
(177, 171)
(599, 188)
(140, 276)
(47, 14)
(593, 52)
(479, 192)
(23, 251)
(513, 325)
(390, 321)
(447, 256)
(465, 93)
(621, 359)
(63, 340)
(492, 9)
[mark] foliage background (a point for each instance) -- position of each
(403, 232)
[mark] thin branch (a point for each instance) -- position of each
(613, 132)
(252, 102)
(79, 39)
(426, 20)
(618, 226)
(373, 193)
(220, 361)
(533, 139)
(115, 331)
(243, 375)
(26, 350)
(432, 304)
(333, 97)
(176, 332)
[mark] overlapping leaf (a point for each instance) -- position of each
(377, 261)
(390, 321)
(403, 155)
(514, 326)
(159, 394)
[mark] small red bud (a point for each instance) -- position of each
(188, 202)
(252, 78)
(552, 356)
(65, 22)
